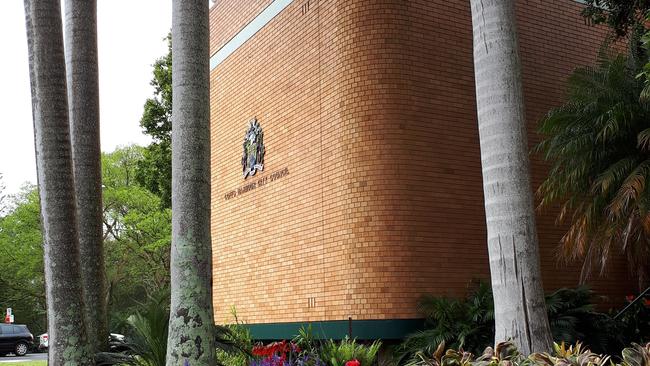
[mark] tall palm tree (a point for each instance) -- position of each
(56, 184)
(519, 309)
(598, 143)
(83, 105)
(191, 333)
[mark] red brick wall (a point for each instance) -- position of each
(370, 105)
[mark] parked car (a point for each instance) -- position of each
(43, 342)
(116, 342)
(15, 338)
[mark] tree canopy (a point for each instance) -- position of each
(137, 236)
(621, 15)
(22, 282)
(154, 169)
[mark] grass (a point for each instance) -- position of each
(29, 363)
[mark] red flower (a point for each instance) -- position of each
(646, 303)
(275, 352)
(629, 298)
(354, 362)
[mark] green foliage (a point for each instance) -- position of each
(137, 236)
(236, 342)
(147, 345)
(567, 309)
(306, 340)
(573, 319)
(569, 356)
(636, 355)
(154, 170)
(462, 323)
(338, 353)
(599, 150)
(634, 323)
(156, 119)
(506, 354)
(22, 284)
(468, 324)
(644, 75)
(147, 335)
(439, 357)
(620, 15)
(147, 338)
(150, 331)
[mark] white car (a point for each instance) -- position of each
(43, 340)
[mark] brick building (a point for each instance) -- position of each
(371, 192)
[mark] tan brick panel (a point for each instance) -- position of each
(370, 105)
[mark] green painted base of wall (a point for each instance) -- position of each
(338, 329)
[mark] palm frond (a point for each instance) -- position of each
(598, 145)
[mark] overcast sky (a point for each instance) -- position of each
(130, 39)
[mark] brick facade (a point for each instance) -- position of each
(370, 106)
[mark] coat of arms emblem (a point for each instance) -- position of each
(252, 160)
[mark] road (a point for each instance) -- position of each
(28, 357)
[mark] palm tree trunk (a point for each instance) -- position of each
(83, 101)
(191, 323)
(56, 184)
(520, 311)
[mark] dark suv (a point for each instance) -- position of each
(15, 339)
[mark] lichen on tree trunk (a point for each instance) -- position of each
(191, 333)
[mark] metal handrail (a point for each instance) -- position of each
(641, 295)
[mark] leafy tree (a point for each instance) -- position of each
(22, 283)
(519, 310)
(598, 144)
(621, 15)
(154, 170)
(137, 235)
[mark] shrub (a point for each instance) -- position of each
(506, 354)
(147, 338)
(573, 319)
(339, 353)
(468, 324)
(635, 322)
(235, 344)
(306, 350)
